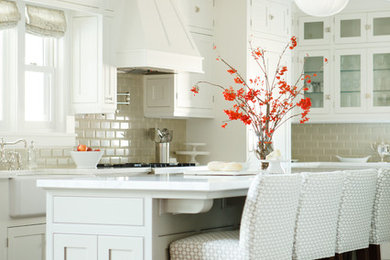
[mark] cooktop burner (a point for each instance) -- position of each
(138, 165)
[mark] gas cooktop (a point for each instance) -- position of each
(151, 165)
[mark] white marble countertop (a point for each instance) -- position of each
(74, 171)
(174, 182)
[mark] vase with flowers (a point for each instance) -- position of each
(266, 101)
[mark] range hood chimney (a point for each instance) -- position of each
(152, 36)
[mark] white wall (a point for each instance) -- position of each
(228, 144)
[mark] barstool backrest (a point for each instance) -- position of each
(267, 225)
(380, 223)
(354, 221)
(316, 223)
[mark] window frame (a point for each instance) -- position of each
(14, 123)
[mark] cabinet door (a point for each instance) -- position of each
(109, 70)
(350, 80)
(120, 248)
(271, 18)
(85, 59)
(314, 30)
(198, 15)
(379, 79)
(203, 100)
(158, 95)
(74, 247)
(319, 84)
(379, 24)
(350, 28)
(26, 242)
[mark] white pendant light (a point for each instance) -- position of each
(321, 8)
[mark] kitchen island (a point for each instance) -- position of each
(136, 217)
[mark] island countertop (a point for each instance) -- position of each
(169, 182)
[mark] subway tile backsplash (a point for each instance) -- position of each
(123, 136)
(321, 142)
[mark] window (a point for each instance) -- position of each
(32, 61)
(39, 78)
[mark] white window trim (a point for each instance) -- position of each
(60, 131)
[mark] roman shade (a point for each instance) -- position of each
(9, 14)
(45, 22)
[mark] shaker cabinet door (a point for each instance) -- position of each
(74, 247)
(26, 242)
(120, 248)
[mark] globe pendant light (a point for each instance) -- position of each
(321, 8)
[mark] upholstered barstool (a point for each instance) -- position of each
(354, 220)
(380, 223)
(267, 225)
(316, 223)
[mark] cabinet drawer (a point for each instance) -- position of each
(96, 210)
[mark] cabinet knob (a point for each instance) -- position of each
(271, 17)
(327, 97)
(327, 29)
(108, 98)
(368, 95)
(197, 9)
(368, 27)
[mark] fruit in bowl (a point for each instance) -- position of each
(85, 157)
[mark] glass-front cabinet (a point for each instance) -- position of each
(315, 66)
(314, 30)
(379, 79)
(350, 80)
(350, 28)
(379, 23)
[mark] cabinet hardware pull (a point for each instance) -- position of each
(109, 98)
(327, 29)
(271, 17)
(368, 27)
(368, 95)
(197, 9)
(327, 97)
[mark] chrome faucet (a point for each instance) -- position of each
(13, 157)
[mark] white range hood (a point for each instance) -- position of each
(152, 36)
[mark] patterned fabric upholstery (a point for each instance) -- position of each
(267, 225)
(212, 245)
(354, 221)
(380, 223)
(315, 228)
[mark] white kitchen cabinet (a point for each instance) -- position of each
(94, 76)
(74, 247)
(378, 93)
(270, 18)
(350, 28)
(97, 247)
(169, 95)
(319, 88)
(350, 81)
(120, 248)
(26, 242)
(314, 30)
(379, 25)
(198, 15)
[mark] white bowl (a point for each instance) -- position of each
(355, 160)
(86, 160)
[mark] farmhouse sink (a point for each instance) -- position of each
(25, 198)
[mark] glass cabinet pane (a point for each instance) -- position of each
(314, 66)
(313, 30)
(350, 85)
(350, 28)
(381, 90)
(381, 26)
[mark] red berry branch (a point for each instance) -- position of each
(266, 101)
